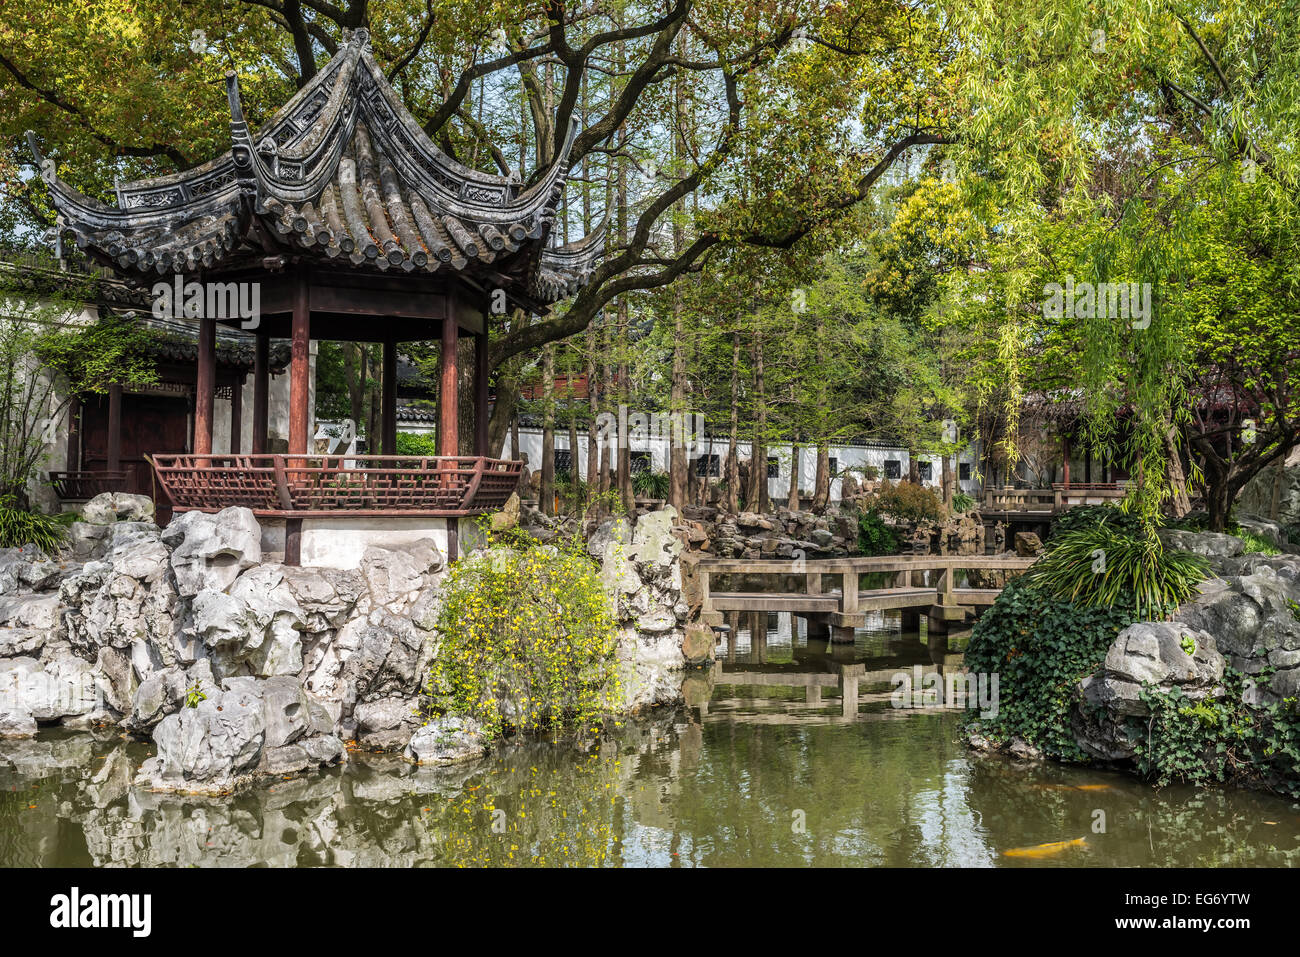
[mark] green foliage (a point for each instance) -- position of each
(1109, 566)
(962, 503)
(194, 695)
(908, 502)
(416, 443)
(651, 484)
(1040, 646)
(874, 536)
(1256, 544)
(1218, 739)
(526, 639)
(20, 527)
(1091, 516)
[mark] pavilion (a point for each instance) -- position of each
(355, 226)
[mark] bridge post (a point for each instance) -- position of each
(849, 594)
(850, 675)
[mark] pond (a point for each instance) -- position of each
(757, 771)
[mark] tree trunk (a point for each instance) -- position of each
(1179, 503)
(792, 499)
(822, 487)
(546, 490)
(732, 503)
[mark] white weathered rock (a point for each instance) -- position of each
(209, 551)
(109, 507)
(396, 575)
(447, 740)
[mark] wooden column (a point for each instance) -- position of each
(1065, 447)
(299, 395)
(448, 406)
(388, 414)
(236, 414)
(300, 369)
(481, 411)
(114, 427)
(74, 435)
(205, 386)
(261, 390)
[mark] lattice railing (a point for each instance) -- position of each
(315, 485)
(83, 486)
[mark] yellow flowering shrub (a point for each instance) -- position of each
(527, 639)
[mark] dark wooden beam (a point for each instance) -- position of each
(261, 390)
(389, 411)
(114, 427)
(481, 411)
(74, 434)
(236, 414)
(205, 386)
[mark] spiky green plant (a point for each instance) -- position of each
(20, 527)
(1117, 567)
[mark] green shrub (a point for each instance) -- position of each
(416, 443)
(1108, 565)
(20, 527)
(874, 536)
(1256, 544)
(651, 484)
(908, 502)
(1219, 739)
(962, 503)
(1040, 646)
(526, 639)
(1090, 516)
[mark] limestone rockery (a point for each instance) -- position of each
(240, 668)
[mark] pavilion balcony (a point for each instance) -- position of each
(296, 486)
(83, 486)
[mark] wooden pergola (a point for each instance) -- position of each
(355, 226)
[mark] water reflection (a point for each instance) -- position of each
(757, 769)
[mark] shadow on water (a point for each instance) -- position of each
(758, 769)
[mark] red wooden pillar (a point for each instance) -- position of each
(114, 427)
(1065, 443)
(261, 390)
(481, 394)
(300, 369)
(448, 407)
(205, 387)
(236, 414)
(299, 395)
(388, 413)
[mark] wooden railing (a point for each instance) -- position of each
(1054, 499)
(83, 486)
(314, 486)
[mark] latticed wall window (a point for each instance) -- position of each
(834, 465)
(893, 469)
(563, 461)
(773, 467)
(640, 462)
(926, 471)
(963, 471)
(708, 465)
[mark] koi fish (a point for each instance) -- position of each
(1045, 850)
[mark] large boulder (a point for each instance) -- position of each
(107, 508)
(209, 551)
(447, 740)
(395, 575)
(1255, 620)
(1163, 654)
(1210, 544)
(249, 728)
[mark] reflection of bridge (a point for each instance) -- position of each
(847, 678)
(942, 601)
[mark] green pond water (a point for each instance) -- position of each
(752, 772)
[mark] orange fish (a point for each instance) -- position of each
(1045, 850)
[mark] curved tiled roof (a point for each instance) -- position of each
(341, 174)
